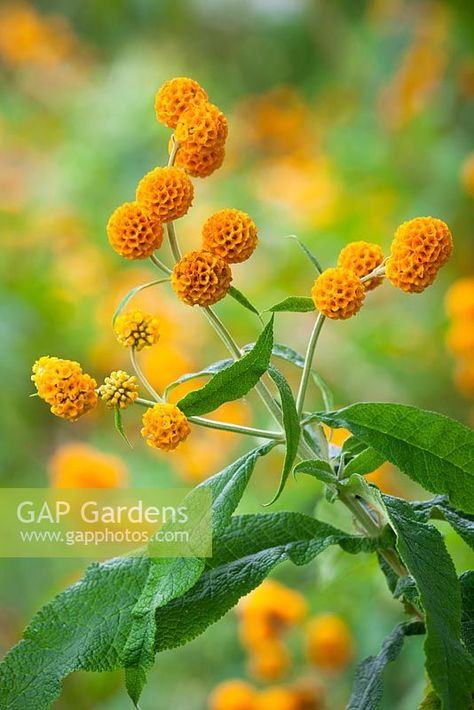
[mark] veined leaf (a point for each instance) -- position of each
(131, 294)
(291, 425)
(86, 626)
(169, 578)
(233, 382)
(119, 425)
(422, 549)
(294, 304)
(247, 552)
(205, 372)
(466, 581)
(462, 523)
(318, 468)
(365, 462)
(243, 300)
(434, 450)
(367, 691)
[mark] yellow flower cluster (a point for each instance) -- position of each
(239, 695)
(137, 329)
(200, 127)
(420, 248)
(62, 384)
(133, 232)
(119, 389)
(201, 278)
(265, 614)
(460, 337)
(338, 293)
(329, 643)
(165, 426)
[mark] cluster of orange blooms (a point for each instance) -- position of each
(264, 616)
(62, 384)
(460, 337)
(420, 247)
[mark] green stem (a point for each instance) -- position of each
(173, 241)
(223, 426)
(308, 363)
(160, 264)
(142, 378)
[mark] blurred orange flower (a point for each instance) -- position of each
(76, 465)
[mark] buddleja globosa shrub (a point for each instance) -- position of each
(126, 610)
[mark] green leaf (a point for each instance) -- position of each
(244, 555)
(435, 451)
(86, 627)
(233, 382)
(365, 462)
(466, 581)
(243, 300)
(318, 468)
(205, 372)
(284, 352)
(422, 549)
(294, 304)
(291, 425)
(430, 701)
(307, 253)
(171, 578)
(462, 523)
(367, 691)
(131, 294)
(119, 425)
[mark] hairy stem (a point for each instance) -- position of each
(308, 363)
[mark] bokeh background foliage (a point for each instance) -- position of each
(345, 119)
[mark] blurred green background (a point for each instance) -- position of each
(345, 120)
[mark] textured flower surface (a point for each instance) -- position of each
(176, 96)
(119, 389)
(204, 124)
(338, 293)
(76, 465)
(165, 426)
(133, 233)
(137, 329)
(420, 248)
(62, 384)
(165, 193)
(199, 162)
(362, 258)
(231, 234)
(201, 278)
(329, 642)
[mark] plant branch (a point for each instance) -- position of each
(308, 363)
(142, 378)
(160, 264)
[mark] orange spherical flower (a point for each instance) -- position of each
(62, 384)
(203, 125)
(459, 302)
(277, 699)
(329, 642)
(137, 329)
(275, 603)
(119, 389)
(82, 466)
(201, 278)
(231, 234)
(460, 339)
(362, 258)
(165, 193)
(420, 248)
(269, 661)
(165, 426)
(232, 695)
(199, 162)
(464, 377)
(338, 293)
(176, 96)
(133, 233)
